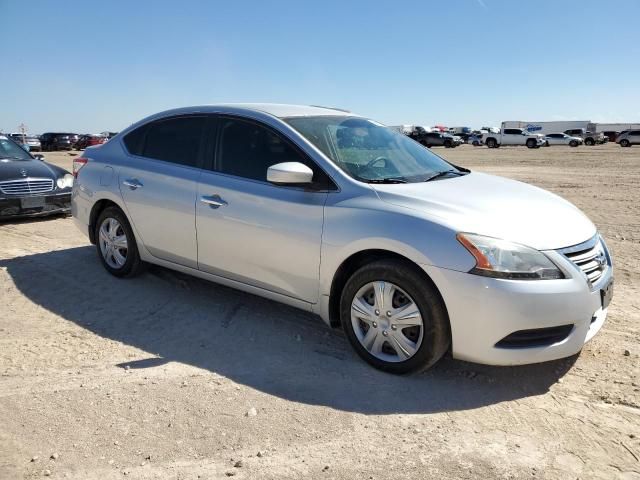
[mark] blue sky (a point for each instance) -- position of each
(93, 66)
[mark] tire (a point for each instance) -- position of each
(573, 143)
(491, 143)
(590, 142)
(448, 144)
(476, 143)
(426, 343)
(113, 262)
(625, 143)
(531, 143)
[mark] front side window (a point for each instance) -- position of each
(368, 151)
(247, 149)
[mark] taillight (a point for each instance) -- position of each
(78, 163)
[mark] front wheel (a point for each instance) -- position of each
(447, 144)
(491, 143)
(590, 142)
(531, 143)
(624, 143)
(394, 318)
(116, 244)
(573, 143)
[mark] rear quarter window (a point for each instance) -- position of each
(133, 140)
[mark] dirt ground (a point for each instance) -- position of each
(170, 377)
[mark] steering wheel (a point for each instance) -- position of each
(376, 160)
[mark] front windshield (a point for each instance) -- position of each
(10, 149)
(369, 151)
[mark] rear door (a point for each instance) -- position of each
(255, 232)
(159, 185)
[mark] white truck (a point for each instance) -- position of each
(584, 129)
(512, 137)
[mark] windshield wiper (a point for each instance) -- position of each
(386, 180)
(443, 173)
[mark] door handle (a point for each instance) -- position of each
(214, 201)
(132, 183)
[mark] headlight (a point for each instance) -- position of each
(502, 259)
(65, 182)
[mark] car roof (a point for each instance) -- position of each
(280, 110)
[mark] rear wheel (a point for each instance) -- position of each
(116, 244)
(625, 143)
(394, 318)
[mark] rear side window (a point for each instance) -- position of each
(176, 140)
(512, 131)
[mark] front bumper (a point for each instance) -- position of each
(483, 311)
(54, 203)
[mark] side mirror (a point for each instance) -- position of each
(39, 157)
(289, 173)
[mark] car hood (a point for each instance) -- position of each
(16, 169)
(496, 207)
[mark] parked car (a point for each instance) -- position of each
(85, 141)
(33, 143)
(562, 139)
(589, 138)
(29, 186)
(57, 141)
(438, 139)
(628, 138)
(475, 140)
(611, 135)
(335, 214)
(511, 137)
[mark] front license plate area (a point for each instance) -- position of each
(606, 294)
(32, 202)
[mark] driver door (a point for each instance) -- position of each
(255, 232)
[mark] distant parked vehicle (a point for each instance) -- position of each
(513, 136)
(628, 138)
(612, 135)
(85, 141)
(563, 139)
(475, 140)
(438, 139)
(51, 141)
(589, 137)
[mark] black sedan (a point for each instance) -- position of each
(30, 186)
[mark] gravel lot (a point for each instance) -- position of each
(170, 377)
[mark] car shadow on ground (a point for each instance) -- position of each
(270, 347)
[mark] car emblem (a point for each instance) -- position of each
(601, 259)
(23, 172)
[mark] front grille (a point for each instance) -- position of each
(590, 257)
(26, 186)
(536, 337)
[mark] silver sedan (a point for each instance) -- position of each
(336, 214)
